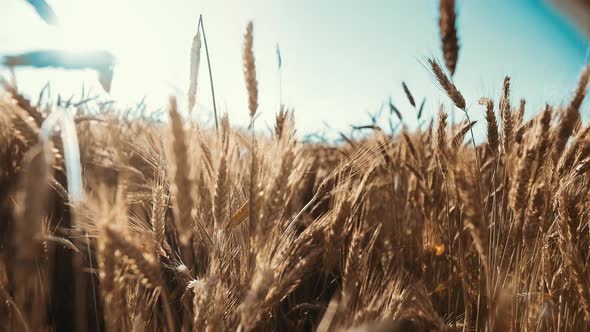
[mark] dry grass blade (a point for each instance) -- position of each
(393, 109)
(239, 216)
(409, 95)
(421, 109)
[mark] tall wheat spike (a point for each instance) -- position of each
(194, 71)
(250, 70)
(182, 194)
(448, 34)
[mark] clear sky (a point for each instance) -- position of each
(341, 59)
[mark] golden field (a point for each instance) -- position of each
(181, 227)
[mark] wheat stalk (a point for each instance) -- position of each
(568, 220)
(409, 94)
(183, 200)
(446, 84)
(492, 124)
(572, 114)
(250, 70)
(448, 34)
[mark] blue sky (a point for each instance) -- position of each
(341, 60)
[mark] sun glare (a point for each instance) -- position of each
(123, 28)
(88, 25)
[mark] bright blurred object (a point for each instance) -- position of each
(44, 11)
(100, 61)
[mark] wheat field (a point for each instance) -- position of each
(177, 226)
